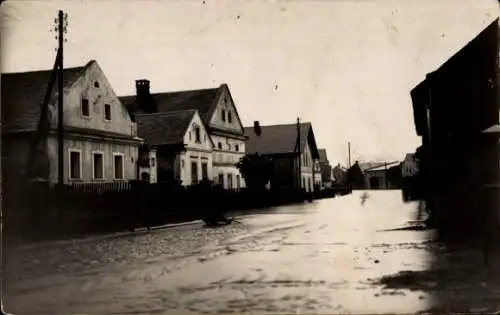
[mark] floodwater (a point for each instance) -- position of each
(341, 255)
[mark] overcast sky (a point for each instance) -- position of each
(345, 66)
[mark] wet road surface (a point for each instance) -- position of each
(330, 256)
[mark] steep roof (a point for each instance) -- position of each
(204, 101)
(322, 156)
(277, 139)
(22, 95)
(164, 128)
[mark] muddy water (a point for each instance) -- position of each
(320, 257)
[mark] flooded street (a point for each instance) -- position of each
(330, 256)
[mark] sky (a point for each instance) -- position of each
(345, 66)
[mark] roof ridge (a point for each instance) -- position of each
(48, 70)
(278, 125)
(167, 112)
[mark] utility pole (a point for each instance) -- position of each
(299, 176)
(386, 177)
(61, 28)
(349, 153)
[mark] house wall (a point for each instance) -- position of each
(86, 147)
(409, 168)
(152, 170)
(84, 87)
(225, 160)
(306, 169)
(380, 175)
(197, 152)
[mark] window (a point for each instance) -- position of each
(236, 147)
(223, 115)
(85, 107)
(182, 163)
(197, 134)
(194, 172)
(221, 179)
(96, 84)
(219, 146)
(230, 181)
(107, 112)
(75, 167)
(118, 165)
(229, 117)
(152, 162)
(97, 165)
(204, 170)
(238, 181)
(205, 138)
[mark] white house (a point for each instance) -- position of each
(219, 116)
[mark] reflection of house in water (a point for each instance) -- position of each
(451, 108)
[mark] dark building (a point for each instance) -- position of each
(451, 108)
(293, 150)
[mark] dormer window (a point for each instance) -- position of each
(85, 108)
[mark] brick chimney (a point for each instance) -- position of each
(256, 128)
(143, 96)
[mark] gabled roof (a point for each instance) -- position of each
(278, 139)
(322, 156)
(203, 100)
(22, 95)
(164, 128)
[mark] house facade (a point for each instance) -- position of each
(457, 159)
(100, 139)
(325, 169)
(183, 146)
(293, 149)
(219, 116)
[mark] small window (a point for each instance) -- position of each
(197, 134)
(230, 181)
(236, 148)
(223, 115)
(204, 170)
(118, 166)
(98, 166)
(221, 179)
(85, 107)
(96, 84)
(75, 165)
(152, 162)
(219, 146)
(182, 163)
(238, 185)
(107, 112)
(229, 117)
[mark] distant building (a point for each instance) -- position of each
(378, 176)
(326, 169)
(409, 174)
(283, 143)
(339, 174)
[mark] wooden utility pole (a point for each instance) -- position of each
(62, 24)
(349, 153)
(299, 173)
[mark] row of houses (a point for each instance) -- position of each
(185, 136)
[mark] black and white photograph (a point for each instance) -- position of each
(250, 157)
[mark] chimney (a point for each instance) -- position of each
(143, 95)
(256, 128)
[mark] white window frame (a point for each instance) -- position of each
(79, 163)
(110, 112)
(123, 165)
(93, 166)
